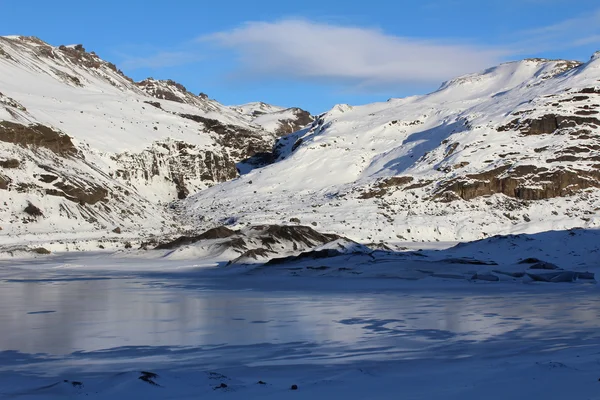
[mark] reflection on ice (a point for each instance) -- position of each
(64, 316)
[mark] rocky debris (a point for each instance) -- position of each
(384, 186)
(36, 136)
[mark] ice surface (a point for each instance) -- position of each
(76, 330)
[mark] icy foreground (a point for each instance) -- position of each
(122, 327)
(340, 321)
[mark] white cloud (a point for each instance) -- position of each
(309, 51)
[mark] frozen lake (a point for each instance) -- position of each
(232, 321)
(68, 329)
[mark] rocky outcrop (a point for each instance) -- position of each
(301, 119)
(253, 244)
(525, 182)
(165, 90)
(549, 123)
(180, 165)
(35, 136)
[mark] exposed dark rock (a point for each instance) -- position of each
(41, 251)
(307, 255)
(117, 230)
(37, 136)
(530, 260)
(242, 143)
(523, 182)
(10, 163)
(288, 126)
(46, 178)
(4, 182)
(590, 90)
(164, 90)
(77, 193)
(548, 124)
(154, 104)
(149, 377)
(296, 233)
(297, 144)
(33, 210)
(182, 190)
(254, 254)
(214, 233)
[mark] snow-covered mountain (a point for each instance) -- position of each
(85, 148)
(513, 149)
(278, 120)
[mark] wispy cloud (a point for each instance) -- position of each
(569, 33)
(309, 51)
(333, 51)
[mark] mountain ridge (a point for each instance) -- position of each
(512, 149)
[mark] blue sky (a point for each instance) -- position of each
(310, 53)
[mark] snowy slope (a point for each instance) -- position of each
(513, 149)
(92, 150)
